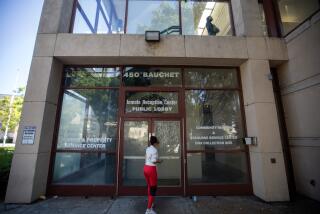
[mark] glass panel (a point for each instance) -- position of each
(157, 15)
(208, 77)
(89, 120)
(92, 77)
(152, 102)
(135, 144)
(294, 12)
(263, 20)
(85, 17)
(217, 168)
(206, 17)
(168, 134)
(84, 168)
(139, 76)
(100, 16)
(213, 120)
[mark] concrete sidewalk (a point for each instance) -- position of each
(167, 205)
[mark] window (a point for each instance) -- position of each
(92, 77)
(214, 127)
(213, 120)
(87, 135)
(294, 12)
(99, 16)
(152, 76)
(159, 15)
(174, 17)
(195, 16)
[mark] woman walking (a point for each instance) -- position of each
(150, 172)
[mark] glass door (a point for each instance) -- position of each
(135, 135)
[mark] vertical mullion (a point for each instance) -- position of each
(180, 18)
(96, 21)
(126, 17)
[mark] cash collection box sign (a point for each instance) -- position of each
(213, 135)
(29, 133)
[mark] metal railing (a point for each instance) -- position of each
(170, 30)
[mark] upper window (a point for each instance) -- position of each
(160, 15)
(192, 17)
(99, 16)
(206, 18)
(294, 12)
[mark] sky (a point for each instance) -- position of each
(19, 20)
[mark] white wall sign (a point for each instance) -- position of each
(29, 133)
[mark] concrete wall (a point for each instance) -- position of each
(300, 88)
(55, 47)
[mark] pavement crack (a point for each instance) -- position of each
(106, 211)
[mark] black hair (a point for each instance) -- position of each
(153, 140)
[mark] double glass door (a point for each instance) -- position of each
(135, 137)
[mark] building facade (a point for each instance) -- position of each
(98, 89)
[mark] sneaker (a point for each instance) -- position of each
(150, 211)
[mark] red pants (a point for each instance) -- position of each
(150, 173)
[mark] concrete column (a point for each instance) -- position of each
(246, 16)
(56, 16)
(30, 164)
(267, 162)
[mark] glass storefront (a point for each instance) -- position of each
(108, 113)
(167, 16)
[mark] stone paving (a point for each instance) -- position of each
(167, 205)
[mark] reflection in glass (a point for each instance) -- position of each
(152, 76)
(156, 15)
(195, 13)
(213, 120)
(294, 12)
(168, 134)
(88, 120)
(152, 102)
(215, 168)
(100, 16)
(213, 78)
(92, 77)
(84, 168)
(135, 144)
(263, 19)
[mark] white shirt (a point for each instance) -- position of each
(151, 155)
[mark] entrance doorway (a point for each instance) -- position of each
(135, 135)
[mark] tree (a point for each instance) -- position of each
(16, 110)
